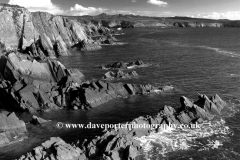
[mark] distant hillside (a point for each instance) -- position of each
(132, 21)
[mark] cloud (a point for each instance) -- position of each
(79, 10)
(37, 5)
(134, 1)
(158, 3)
(232, 15)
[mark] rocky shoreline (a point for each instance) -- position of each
(32, 81)
(121, 143)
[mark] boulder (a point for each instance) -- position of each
(37, 120)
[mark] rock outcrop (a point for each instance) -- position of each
(12, 129)
(90, 95)
(55, 149)
(124, 65)
(119, 74)
(34, 86)
(42, 34)
(120, 143)
(38, 121)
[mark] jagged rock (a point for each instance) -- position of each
(96, 93)
(121, 143)
(55, 149)
(11, 129)
(124, 65)
(35, 86)
(119, 74)
(42, 34)
(37, 120)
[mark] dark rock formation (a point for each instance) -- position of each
(119, 74)
(55, 149)
(124, 65)
(42, 34)
(11, 129)
(37, 120)
(120, 143)
(44, 86)
(92, 94)
(34, 86)
(105, 40)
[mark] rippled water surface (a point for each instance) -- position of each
(193, 60)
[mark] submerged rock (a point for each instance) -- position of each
(119, 74)
(12, 129)
(124, 65)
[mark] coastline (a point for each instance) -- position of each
(31, 85)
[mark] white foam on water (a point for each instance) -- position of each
(171, 140)
(218, 50)
(131, 67)
(234, 75)
(221, 51)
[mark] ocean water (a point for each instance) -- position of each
(192, 60)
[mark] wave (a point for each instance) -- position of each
(218, 50)
(221, 51)
(209, 136)
(234, 75)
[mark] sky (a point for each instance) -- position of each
(212, 9)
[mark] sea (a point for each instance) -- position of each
(192, 60)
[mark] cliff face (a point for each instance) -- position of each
(41, 34)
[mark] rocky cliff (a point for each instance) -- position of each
(42, 34)
(30, 81)
(29, 85)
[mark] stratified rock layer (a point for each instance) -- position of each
(34, 86)
(43, 86)
(95, 93)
